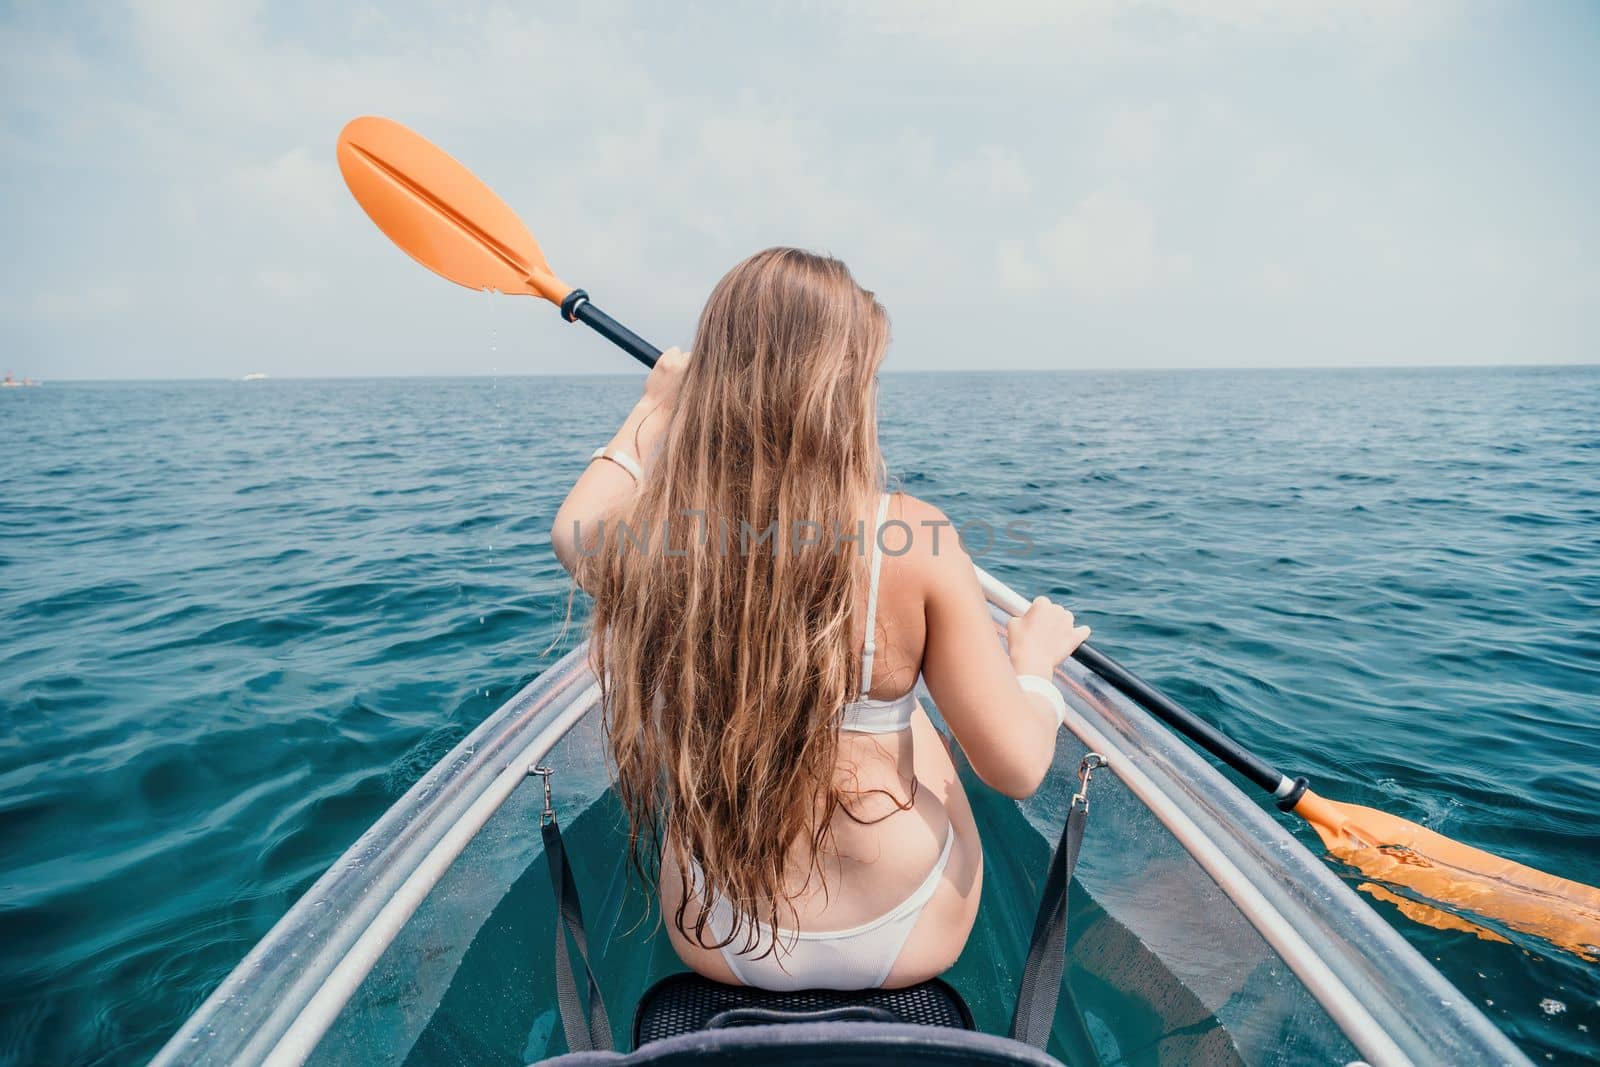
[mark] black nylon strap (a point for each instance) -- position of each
(1040, 988)
(586, 1032)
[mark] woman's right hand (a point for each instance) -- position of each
(1043, 637)
(661, 385)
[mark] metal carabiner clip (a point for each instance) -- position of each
(1086, 768)
(549, 813)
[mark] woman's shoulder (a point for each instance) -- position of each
(914, 512)
(920, 538)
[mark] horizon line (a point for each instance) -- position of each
(626, 372)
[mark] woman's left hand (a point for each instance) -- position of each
(665, 379)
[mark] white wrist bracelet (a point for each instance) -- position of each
(621, 459)
(1033, 683)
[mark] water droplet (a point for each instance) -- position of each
(1552, 1006)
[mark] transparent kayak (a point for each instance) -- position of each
(1200, 929)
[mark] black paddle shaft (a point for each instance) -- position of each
(1193, 727)
(578, 308)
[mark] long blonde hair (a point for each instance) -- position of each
(725, 655)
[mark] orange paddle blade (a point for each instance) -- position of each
(439, 213)
(1396, 852)
(1428, 915)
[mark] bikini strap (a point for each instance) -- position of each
(869, 647)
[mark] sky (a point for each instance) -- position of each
(1165, 183)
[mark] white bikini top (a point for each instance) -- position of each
(864, 715)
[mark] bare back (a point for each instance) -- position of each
(900, 796)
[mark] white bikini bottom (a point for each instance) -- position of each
(859, 957)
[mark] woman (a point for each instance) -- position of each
(759, 632)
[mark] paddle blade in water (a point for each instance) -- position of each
(439, 213)
(1428, 915)
(1396, 852)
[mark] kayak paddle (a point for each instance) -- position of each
(445, 218)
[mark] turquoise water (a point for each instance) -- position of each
(239, 620)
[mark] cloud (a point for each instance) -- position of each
(1267, 166)
(1132, 137)
(289, 286)
(100, 300)
(1104, 32)
(996, 171)
(1017, 268)
(1104, 249)
(1277, 279)
(297, 187)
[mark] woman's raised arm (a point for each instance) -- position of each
(611, 479)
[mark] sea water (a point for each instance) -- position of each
(238, 619)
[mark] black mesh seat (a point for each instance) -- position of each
(825, 1044)
(686, 1003)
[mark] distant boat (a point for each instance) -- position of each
(254, 376)
(11, 383)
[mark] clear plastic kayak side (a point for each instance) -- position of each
(1246, 889)
(1200, 929)
(297, 969)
